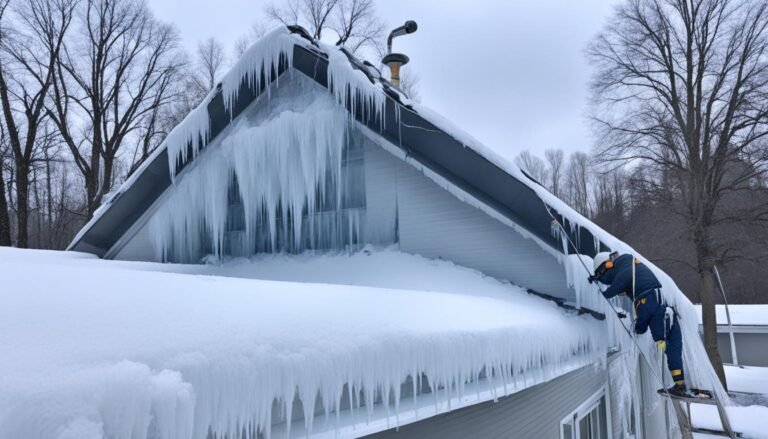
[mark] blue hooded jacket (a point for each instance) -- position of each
(619, 278)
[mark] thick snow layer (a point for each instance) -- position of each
(741, 314)
(96, 348)
(748, 379)
(259, 63)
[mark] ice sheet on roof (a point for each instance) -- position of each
(98, 348)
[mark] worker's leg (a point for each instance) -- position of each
(675, 352)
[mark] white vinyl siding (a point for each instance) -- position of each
(139, 247)
(436, 224)
(381, 170)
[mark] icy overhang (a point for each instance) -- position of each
(98, 348)
(421, 135)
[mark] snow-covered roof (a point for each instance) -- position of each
(443, 151)
(745, 315)
(417, 131)
(94, 348)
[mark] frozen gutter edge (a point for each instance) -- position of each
(425, 408)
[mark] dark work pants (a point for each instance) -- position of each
(653, 315)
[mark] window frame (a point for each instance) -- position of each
(585, 409)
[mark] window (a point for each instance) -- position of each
(589, 421)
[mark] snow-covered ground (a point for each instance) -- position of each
(94, 348)
(752, 420)
(747, 379)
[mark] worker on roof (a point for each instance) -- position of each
(625, 274)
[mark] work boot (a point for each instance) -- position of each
(678, 389)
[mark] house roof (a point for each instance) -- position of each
(438, 147)
(422, 135)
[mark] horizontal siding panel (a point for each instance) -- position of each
(535, 412)
(436, 224)
(380, 193)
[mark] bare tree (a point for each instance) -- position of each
(5, 221)
(255, 33)
(187, 92)
(117, 69)
(683, 86)
(578, 177)
(29, 51)
(193, 81)
(610, 204)
(314, 15)
(556, 161)
(357, 25)
(210, 60)
(533, 165)
(44, 217)
(409, 83)
(354, 21)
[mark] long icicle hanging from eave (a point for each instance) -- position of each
(281, 168)
(260, 66)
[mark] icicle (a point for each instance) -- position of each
(279, 168)
(192, 133)
(348, 85)
(259, 63)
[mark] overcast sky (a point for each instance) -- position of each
(510, 72)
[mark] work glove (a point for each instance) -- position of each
(662, 345)
(592, 279)
(621, 315)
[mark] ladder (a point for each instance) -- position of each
(677, 401)
(684, 416)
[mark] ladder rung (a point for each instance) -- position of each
(712, 432)
(689, 399)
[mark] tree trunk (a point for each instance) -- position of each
(22, 204)
(91, 191)
(5, 221)
(109, 167)
(92, 187)
(51, 231)
(37, 235)
(709, 318)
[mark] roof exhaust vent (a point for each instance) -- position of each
(397, 60)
